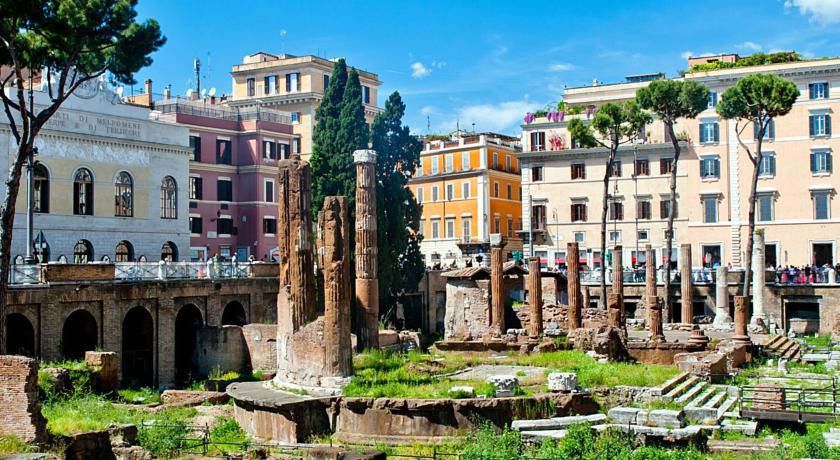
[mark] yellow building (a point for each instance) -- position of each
(469, 188)
(294, 84)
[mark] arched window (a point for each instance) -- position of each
(106, 259)
(124, 252)
(168, 198)
(41, 184)
(18, 259)
(123, 195)
(83, 192)
(169, 252)
(82, 252)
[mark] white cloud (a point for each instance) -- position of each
(748, 45)
(418, 70)
(438, 64)
(504, 116)
(427, 110)
(821, 12)
(686, 54)
(560, 67)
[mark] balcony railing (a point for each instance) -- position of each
(133, 271)
(219, 112)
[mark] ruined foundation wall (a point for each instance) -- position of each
(21, 414)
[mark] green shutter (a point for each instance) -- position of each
(828, 125)
(811, 125)
(813, 162)
(828, 161)
(717, 132)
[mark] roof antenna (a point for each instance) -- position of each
(428, 124)
(282, 40)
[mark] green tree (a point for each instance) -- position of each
(398, 213)
(613, 125)
(66, 43)
(671, 100)
(325, 144)
(755, 101)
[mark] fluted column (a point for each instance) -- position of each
(535, 294)
(654, 305)
(335, 233)
(759, 318)
(722, 319)
(650, 272)
(367, 281)
(686, 293)
(573, 284)
(618, 271)
(742, 306)
(497, 290)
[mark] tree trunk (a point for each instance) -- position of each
(669, 231)
(751, 215)
(7, 221)
(602, 298)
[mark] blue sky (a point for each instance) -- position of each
(484, 62)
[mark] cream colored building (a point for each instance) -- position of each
(294, 84)
(797, 188)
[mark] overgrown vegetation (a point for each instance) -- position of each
(752, 60)
(139, 396)
(13, 445)
(227, 437)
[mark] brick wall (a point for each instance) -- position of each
(77, 272)
(261, 343)
(21, 413)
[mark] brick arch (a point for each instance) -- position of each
(79, 333)
(234, 314)
(20, 335)
(188, 322)
(138, 346)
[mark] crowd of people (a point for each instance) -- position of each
(807, 274)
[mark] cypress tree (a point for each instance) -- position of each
(325, 135)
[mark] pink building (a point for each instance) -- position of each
(233, 175)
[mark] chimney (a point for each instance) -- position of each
(167, 92)
(148, 86)
(594, 82)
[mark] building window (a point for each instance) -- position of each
(820, 124)
(465, 190)
(450, 192)
(578, 212)
(710, 214)
(269, 150)
(578, 171)
(538, 217)
(123, 195)
(709, 133)
(510, 226)
(419, 169)
(642, 167)
(495, 160)
(435, 228)
(295, 117)
(195, 225)
(41, 185)
(616, 210)
(420, 195)
(509, 192)
(252, 91)
(284, 151)
(270, 84)
(765, 207)
(169, 252)
(82, 252)
(507, 163)
(434, 165)
(196, 186)
(536, 174)
(195, 145)
(124, 252)
(767, 165)
(643, 235)
(421, 228)
(83, 192)
(269, 191)
(665, 209)
(450, 228)
(537, 141)
(495, 189)
(665, 165)
(497, 224)
(293, 82)
(615, 236)
(769, 131)
(821, 205)
(710, 168)
(223, 156)
(168, 198)
(465, 161)
(434, 193)
(820, 162)
(818, 90)
(466, 229)
(224, 226)
(449, 162)
(326, 81)
(644, 211)
(580, 237)
(366, 94)
(224, 190)
(712, 101)
(269, 226)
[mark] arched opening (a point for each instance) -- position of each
(82, 252)
(83, 192)
(137, 348)
(124, 252)
(79, 334)
(234, 314)
(123, 195)
(41, 185)
(20, 335)
(169, 251)
(168, 198)
(18, 260)
(187, 324)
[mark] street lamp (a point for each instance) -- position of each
(30, 203)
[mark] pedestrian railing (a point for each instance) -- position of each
(180, 270)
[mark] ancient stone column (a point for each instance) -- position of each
(367, 281)
(686, 294)
(335, 234)
(722, 319)
(573, 285)
(650, 272)
(535, 293)
(618, 271)
(587, 299)
(296, 297)
(742, 306)
(758, 281)
(654, 304)
(497, 290)
(615, 310)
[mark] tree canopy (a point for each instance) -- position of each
(758, 97)
(612, 125)
(671, 100)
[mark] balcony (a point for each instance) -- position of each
(20, 274)
(219, 112)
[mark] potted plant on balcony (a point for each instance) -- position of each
(575, 110)
(529, 118)
(556, 142)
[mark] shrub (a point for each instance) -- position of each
(13, 445)
(164, 435)
(227, 437)
(487, 444)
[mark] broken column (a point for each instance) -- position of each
(759, 272)
(535, 294)
(722, 319)
(618, 271)
(615, 313)
(335, 232)
(654, 304)
(650, 272)
(497, 289)
(742, 306)
(573, 285)
(367, 281)
(687, 297)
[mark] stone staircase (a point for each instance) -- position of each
(702, 402)
(782, 346)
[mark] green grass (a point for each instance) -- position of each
(13, 445)
(818, 341)
(227, 437)
(139, 396)
(80, 374)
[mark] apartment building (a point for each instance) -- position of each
(294, 84)
(795, 207)
(232, 175)
(469, 186)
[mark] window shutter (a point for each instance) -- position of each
(811, 127)
(288, 83)
(662, 210)
(772, 165)
(701, 137)
(772, 128)
(714, 99)
(828, 161)
(716, 164)
(755, 129)
(811, 92)
(571, 214)
(813, 162)
(828, 125)
(717, 132)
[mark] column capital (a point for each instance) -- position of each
(364, 156)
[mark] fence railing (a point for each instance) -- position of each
(24, 274)
(20, 274)
(631, 276)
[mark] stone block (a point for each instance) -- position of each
(769, 396)
(665, 418)
(21, 414)
(61, 381)
(505, 384)
(557, 423)
(123, 435)
(624, 415)
(802, 326)
(607, 341)
(709, 366)
(88, 445)
(192, 398)
(106, 368)
(562, 381)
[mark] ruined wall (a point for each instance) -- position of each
(21, 414)
(467, 309)
(261, 346)
(223, 348)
